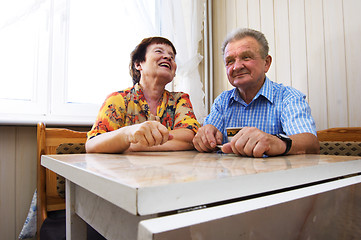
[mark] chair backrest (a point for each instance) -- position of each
(340, 141)
(48, 140)
(349, 134)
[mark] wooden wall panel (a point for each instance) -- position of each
(242, 13)
(352, 23)
(335, 64)
(316, 62)
(254, 16)
(219, 33)
(17, 176)
(7, 183)
(298, 51)
(315, 48)
(231, 15)
(231, 25)
(25, 172)
(267, 27)
(282, 51)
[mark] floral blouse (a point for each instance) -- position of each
(128, 107)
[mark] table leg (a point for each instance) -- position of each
(75, 226)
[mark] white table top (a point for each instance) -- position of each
(153, 182)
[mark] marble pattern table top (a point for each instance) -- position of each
(145, 183)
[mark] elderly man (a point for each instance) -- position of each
(275, 119)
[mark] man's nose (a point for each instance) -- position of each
(238, 64)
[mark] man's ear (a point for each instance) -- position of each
(268, 62)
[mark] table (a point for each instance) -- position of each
(190, 195)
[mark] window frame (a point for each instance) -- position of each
(49, 103)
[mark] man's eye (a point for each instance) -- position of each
(229, 62)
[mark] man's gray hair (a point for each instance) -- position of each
(247, 32)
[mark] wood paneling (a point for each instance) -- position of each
(25, 172)
(352, 24)
(254, 16)
(241, 13)
(17, 176)
(316, 62)
(17, 179)
(282, 43)
(298, 53)
(7, 182)
(335, 64)
(219, 29)
(315, 48)
(267, 27)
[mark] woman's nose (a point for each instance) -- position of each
(168, 56)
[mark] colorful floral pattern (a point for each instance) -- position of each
(130, 107)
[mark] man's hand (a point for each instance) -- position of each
(252, 142)
(207, 138)
(149, 133)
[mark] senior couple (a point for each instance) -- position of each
(276, 119)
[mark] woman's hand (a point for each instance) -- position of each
(141, 136)
(149, 133)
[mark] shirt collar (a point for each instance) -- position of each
(265, 91)
(137, 87)
(138, 92)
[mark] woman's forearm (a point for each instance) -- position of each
(182, 140)
(110, 142)
(146, 136)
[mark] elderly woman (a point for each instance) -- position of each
(146, 117)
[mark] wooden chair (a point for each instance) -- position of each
(48, 140)
(350, 134)
(340, 141)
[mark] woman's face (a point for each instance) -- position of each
(159, 63)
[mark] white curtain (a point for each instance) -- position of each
(90, 46)
(181, 21)
(141, 18)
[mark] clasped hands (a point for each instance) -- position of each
(249, 141)
(149, 133)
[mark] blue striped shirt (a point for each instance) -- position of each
(275, 109)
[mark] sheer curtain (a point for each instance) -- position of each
(182, 23)
(75, 52)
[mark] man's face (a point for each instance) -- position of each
(246, 69)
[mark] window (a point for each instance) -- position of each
(93, 42)
(60, 59)
(23, 57)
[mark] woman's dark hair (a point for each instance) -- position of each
(138, 54)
